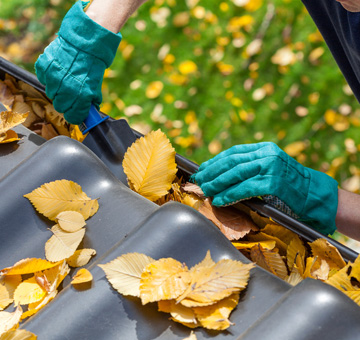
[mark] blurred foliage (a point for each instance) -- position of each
(212, 74)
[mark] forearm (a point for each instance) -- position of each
(348, 214)
(111, 14)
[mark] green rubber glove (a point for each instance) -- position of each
(250, 170)
(72, 67)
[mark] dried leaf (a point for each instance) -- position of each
(76, 134)
(211, 284)
(354, 295)
(57, 120)
(8, 285)
(18, 334)
(206, 262)
(9, 320)
(81, 257)
(178, 312)
(82, 276)
(192, 336)
(28, 266)
(10, 119)
(164, 279)
(234, 224)
(9, 137)
(6, 96)
(326, 251)
(33, 308)
(62, 195)
(217, 316)
(192, 201)
(310, 262)
(296, 246)
(259, 220)
(269, 260)
(124, 273)
(192, 188)
(150, 165)
(28, 291)
(280, 232)
(294, 278)
(260, 237)
(341, 280)
(321, 273)
(62, 244)
(70, 221)
(248, 244)
(48, 132)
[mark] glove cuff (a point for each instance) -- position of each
(87, 35)
(322, 201)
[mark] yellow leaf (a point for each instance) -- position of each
(81, 257)
(341, 280)
(280, 232)
(54, 276)
(10, 119)
(310, 262)
(35, 307)
(260, 237)
(248, 244)
(325, 251)
(28, 291)
(192, 336)
(211, 284)
(206, 262)
(9, 137)
(76, 134)
(6, 96)
(296, 246)
(82, 276)
(295, 149)
(70, 221)
(62, 195)
(191, 201)
(217, 316)
(124, 273)
(18, 334)
(322, 272)
(62, 244)
(164, 279)
(269, 260)
(28, 266)
(154, 89)
(8, 285)
(9, 320)
(150, 165)
(295, 277)
(178, 312)
(259, 220)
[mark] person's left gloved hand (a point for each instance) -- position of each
(73, 65)
(251, 170)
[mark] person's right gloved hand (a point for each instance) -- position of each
(73, 65)
(251, 170)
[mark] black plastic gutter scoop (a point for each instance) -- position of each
(108, 139)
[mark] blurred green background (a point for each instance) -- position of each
(212, 74)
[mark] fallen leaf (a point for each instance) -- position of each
(164, 279)
(33, 308)
(192, 188)
(52, 198)
(269, 244)
(10, 119)
(280, 232)
(9, 137)
(260, 237)
(82, 276)
(81, 257)
(294, 278)
(178, 312)
(48, 132)
(192, 336)
(259, 220)
(269, 260)
(150, 165)
(124, 273)
(18, 334)
(206, 262)
(321, 273)
(28, 291)
(326, 251)
(9, 320)
(70, 221)
(211, 284)
(8, 285)
(6, 96)
(62, 244)
(216, 316)
(28, 266)
(233, 223)
(296, 246)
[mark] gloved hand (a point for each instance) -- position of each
(73, 65)
(250, 170)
